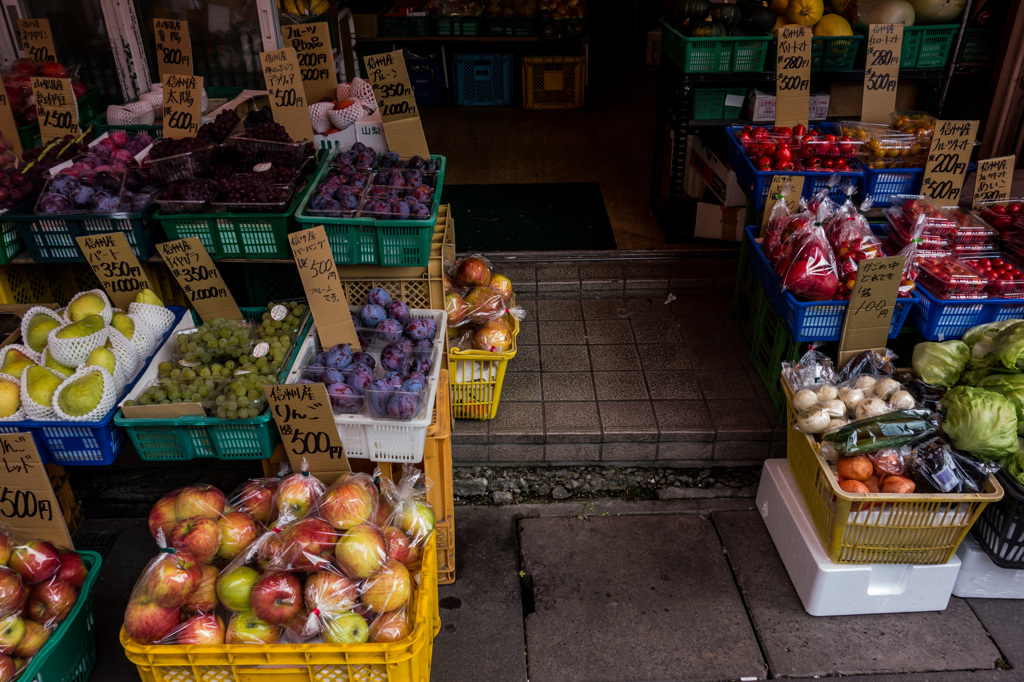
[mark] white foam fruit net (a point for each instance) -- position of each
(156, 318)
(73, 352)
(344, 92)
(126, 356)
(142, 113)
(37, 310)
(319, 116)
(343, 118)
(363, 91)
(19, 414)
(31, 354)
(108, 310)
(34, 410)
(108, 397)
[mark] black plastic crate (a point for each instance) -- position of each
(1000, 528)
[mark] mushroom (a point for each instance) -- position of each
(804, 399)
(813, 421)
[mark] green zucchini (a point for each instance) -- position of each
(885, 431)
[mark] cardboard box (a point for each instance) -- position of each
(715, 174)
(846, 97)
(719, 222)
(366, 25)
(654, 47)
(760, 106)
(369, 130)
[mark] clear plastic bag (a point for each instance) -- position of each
(810, 274)
(875, 472)
(813, 369)
(771, 245)
(153, 615)
(869, 362)
(937, 466)
(911, 268)
(194, 520)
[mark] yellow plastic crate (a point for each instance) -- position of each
(477, 377)
(404, 661)
(554, 82)
(880, 528)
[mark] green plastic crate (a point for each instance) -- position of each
(366, 241)
(185, 438)
(927, 47)
(770, 346)
(69, 655)
(714, 55)
(710, 103)
(10, 241)
(834, 53)
(979, 46)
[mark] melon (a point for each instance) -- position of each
(876, 11)
(937, 11)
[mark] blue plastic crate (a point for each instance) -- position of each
(426, 74)
(937, 319)
(881, 184)
(83, 443)
(809, 320)
(756, 183)
(483, 80)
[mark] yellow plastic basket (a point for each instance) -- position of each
(477, 377)
(404, 661)
(880, 528)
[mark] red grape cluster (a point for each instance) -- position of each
(252, 188)
(186, 196)
(167, 146)
(268, 130)
(218, 130)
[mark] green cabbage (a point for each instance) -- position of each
(981, 339)
(940, 364)
(1011, 387)
(980, 422)
(1010, 346)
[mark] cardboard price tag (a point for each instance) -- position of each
(312, 45)
(792, 75)
(993, 179)
(882, 72)
(393, 91)
(56, 107)
(796, 185)
(287, 95)
(111, 257)
(326, 297)
(872, 303)
(173, 47)
(191, 265)
(37, 40)
(27, 501)
(183, 105)
(306, 424)
(8, 126)
(946, 166)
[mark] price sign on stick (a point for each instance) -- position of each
(183, 100)
(393, 91)
(306, 424)
(37, 40)
(8, 126)
(993, 179)
(882, 72)
(792, 75)
(27, 501)
(948, 155)
(118, 270)
(796, 185)
(173, 47)
(312, 45)
(190, 263)
(326, 297)
(56, 107)
(286, 92)
(872, 302)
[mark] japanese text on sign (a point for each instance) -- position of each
(56, 107)
(285, 89)
(319, 275)
(305, 421)
(27, 500)
(881, 72)
(182, 108)
(312, 45)
(792, 75)
(389, 77)
(37, 40)
(993, 180)
(118, 270)
(872, 303)
(190, 263)
(779, 182)
(946, 165)
(173, 47)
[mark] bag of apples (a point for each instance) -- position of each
(480, 302)
(39, 586)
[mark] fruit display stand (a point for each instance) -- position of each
(407, 660)
(924, 47)
(69, 655)
(185, 438)
(477, 376)
(917, 528)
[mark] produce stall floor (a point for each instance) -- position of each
(617, 591)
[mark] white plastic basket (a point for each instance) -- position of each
(383, 440)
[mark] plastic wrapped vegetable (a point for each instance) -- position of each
(793, 227)
(940, 467)
(869, 362)
(941, 363)
(1009, 348)
(814, 368)
(811, 273)
(890, 430)
(911, 268)
(980, 422)
(1011, 387)
(924, 394)
(771, 245)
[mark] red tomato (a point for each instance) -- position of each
(800, 129)
(1014, 208)
(783, 154)
(764, 163)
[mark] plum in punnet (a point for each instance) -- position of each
(359, 147)
(372, 314)
(419, 212)
(332, 376)
(389, 159)
(144, 139)
(81, 197)
(416, 162)
(412, 386)
(419, 364)
(359, 378)
(425, 346)
(399, 210)
(415, 376)
(419, 328)
(99, 152)
(348, 202)
(64, 184)
(339, 356)
(102, 202)
(397, 310)
(54, 203)
(120, 138)
(421, 194)
(378, 296)
(405, 344)
(392, 358)
(394, 379)
(401, 406)
(378, 393)
(344, 398)
(389, 331)
(366, 359)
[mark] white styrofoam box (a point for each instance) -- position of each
(830, 589)
(369, 130)
(162, 354)
(382, 440)
(980, 578)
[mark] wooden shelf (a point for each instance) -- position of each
(457, 39)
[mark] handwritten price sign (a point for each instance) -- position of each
(37, 40)
(882, 72)
(118, 270)
(792, 75)
(944, 171)
(183, 98)
(190, 263)
(795, 183)
(56, 107)
(27, 500)
(993, 179)
(8, 126)
(286, 91)
(872, 302)
(393, 91)
(312, 45)
(326, 297)
(305, 421)
(173, 47)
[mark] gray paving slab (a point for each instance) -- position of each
(616, 599)
(1004, 619)
(799, 645)
(481, 637)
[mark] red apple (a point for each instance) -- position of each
(34, 639)
(147, 621)
(277, 597)
(161, 516)
(199, 536)
(12, 592)
(72, 569)
(330, 592)
(237, 531)
(456, 308)
(7, 669)
(246, 628)
(393, 626)
(6, 547)
(485, 304)
(472, 272)
(199, 500)
(503, 285)
(172, 578)
(51, 602)
(398, 544)
(35, 561)
(361, 551)
(296, 495)
(349, 502)
(12, 631)
(256, 498)
(346, 628)
(234, 588)
(389, 589)
(203, 628)
(384, 512)
(308, 545)
(204, 598)
(416, 518)
(53, 70)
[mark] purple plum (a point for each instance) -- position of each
(332, 376)
(379, 296)
(401, 406)
(406, 345)
(389, 331)
(344, 399)
(412, 386)
(378, 393)
(359, 378)
(394, 379)
(362, 358)
(372, 314)
(392, 358)
(419, 328)
(424, 346)
(338, 357)
(64, 184)
(411, 376)
(418, 363)
(397, 310)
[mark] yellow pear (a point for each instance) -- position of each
(41, 383)
(86, 305)
(84, 327)
(14, 362)
(10, 398)
(81, 396)
(124, 324)
(101, 357)
(147, 296)
(49, 362)
(38, 328)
